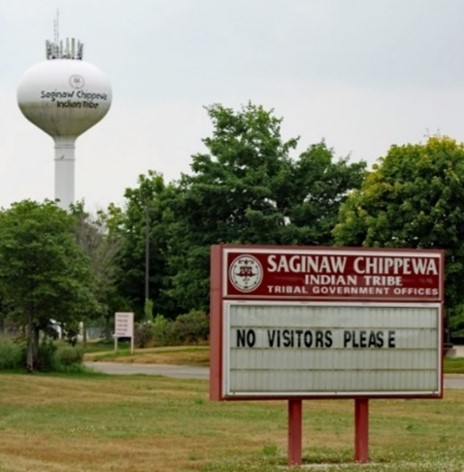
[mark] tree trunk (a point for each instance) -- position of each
(108, 328)
(32, 345)
(84, 332)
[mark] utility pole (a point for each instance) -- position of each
(147, 260)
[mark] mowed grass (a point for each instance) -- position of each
(454, 366)
(193, 355)
(143, 423)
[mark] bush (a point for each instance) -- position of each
(66, 356)
(51, 358)
(163, 330)
(47, 349)
(11, 354)
(144, 335)
(157, 333)
(192, 327)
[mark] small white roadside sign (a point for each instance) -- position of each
(124, 328)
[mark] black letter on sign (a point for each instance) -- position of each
(246, 338)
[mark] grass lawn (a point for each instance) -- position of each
(454, 366)
(140, 423)
(197, 355)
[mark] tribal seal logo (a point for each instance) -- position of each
(246, 273)
(76, 81)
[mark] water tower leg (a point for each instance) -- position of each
(64, 171)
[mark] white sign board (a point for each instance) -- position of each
(300, 349)
(124, 325)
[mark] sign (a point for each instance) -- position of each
(124, 328)
(331, 349)
(124, 325)
(305, 322)
(332, 274)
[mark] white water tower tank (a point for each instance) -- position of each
(64, 96)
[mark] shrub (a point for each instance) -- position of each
(163, 331)
(192, 327)
(47, 350)
(11, 354)
(66, 356)
(143, 335)
(157, 333)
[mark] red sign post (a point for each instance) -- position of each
(296, 323)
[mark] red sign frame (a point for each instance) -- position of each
(304, 273)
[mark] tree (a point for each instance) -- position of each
(413, 197)
(319, 185)
(248, 189)
(140, 227)
(231, 197)
(101, 248)
(44, 274)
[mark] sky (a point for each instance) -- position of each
(360, 74)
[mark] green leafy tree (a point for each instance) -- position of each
(319, 184)
(236, 189)
(101, 246)
(44, 274)
(141, 230)
(413, 197)
(248, 189)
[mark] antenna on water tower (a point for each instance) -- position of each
(56, 26)
(64, 96)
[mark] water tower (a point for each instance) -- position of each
(64, 96)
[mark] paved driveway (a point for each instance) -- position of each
(194, 372)
(454, 381)
(168, 370)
